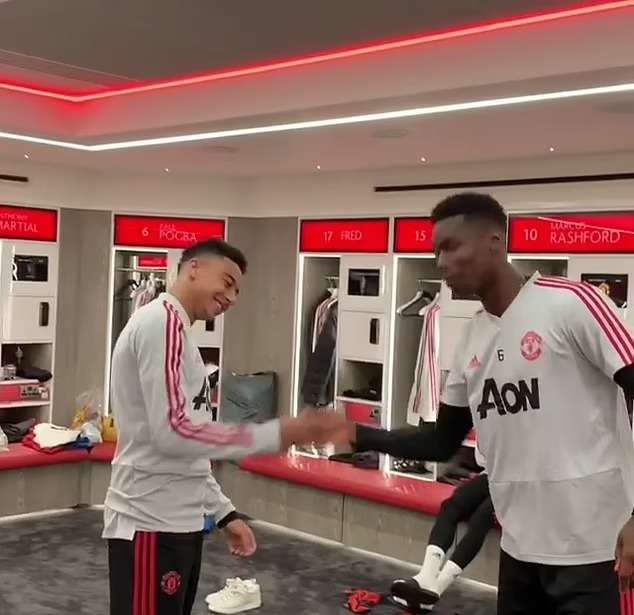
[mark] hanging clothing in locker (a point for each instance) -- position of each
(320, 316)
(425, 394)
(319, 378)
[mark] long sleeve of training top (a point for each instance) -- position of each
(177, 395)
(217, 504)
(431, 442)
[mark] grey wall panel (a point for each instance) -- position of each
(82, 313)
(259, 329)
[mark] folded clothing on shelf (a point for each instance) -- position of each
(34, 373)
(16, 431)
(49, 438)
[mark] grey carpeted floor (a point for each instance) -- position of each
(55, 565)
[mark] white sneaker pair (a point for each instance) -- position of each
(236, 596)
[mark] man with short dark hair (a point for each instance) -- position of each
(161, 486)
(541, 372)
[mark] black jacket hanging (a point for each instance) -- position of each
(317, 387)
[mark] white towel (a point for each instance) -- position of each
(48, 435)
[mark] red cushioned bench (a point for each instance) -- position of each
(399, 491)
(19, 456)
(103, 452)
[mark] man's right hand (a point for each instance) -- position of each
(318, 426)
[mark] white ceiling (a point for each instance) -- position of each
(574, 126)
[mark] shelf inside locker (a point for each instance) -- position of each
(19, 381)
(21, 392)
(546, 266)
(360, 380)
(24, 412)
(27, 355)
(33, 403)
(358, 400)
(210, 355)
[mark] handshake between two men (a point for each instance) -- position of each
(318, 426)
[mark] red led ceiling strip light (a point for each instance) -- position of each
(341, 54)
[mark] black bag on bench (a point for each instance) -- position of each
(248, 398)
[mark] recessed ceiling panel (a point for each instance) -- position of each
(112, 42)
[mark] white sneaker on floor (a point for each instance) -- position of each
(236, 596)
(228, 583)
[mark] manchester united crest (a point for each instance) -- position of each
(171, 583)
(531, 346)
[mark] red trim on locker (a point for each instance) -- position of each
(164, 232)
(28, 223)
(413, 235)
(152, 262)
(345, 236)
(587, 233)
(363, 412)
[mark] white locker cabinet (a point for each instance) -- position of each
(209, 334)
(362, 336)
(618, 272)
(28, 319)
(173, 258)
(28, 269)
(364, 283)
(461, 308)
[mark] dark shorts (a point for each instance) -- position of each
(536, 589)
(154, 574)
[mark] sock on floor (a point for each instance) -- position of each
(449, 573)
(430, 569)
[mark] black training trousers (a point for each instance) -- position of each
(537, 589)
(154, 574)
(469, 501)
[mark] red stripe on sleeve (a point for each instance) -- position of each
(209, 433)
(612, 326)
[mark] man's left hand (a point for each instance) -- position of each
(624, 556)
(240, 538)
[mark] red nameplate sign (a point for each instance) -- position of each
(152, 262)
(413, 235)
(349, 235)
(160, 232)
(572, 234)
(28, 223)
